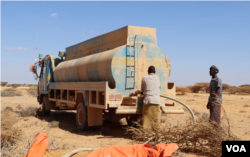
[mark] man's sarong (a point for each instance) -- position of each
(151, 116)
(215, 113)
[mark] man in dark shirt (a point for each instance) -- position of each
(215, 98)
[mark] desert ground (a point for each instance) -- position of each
(66, 137)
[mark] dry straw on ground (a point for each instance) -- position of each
(32, 91)
(203, 138)
(9, 92)
(10, 134)
(29, 111)
(13, 85)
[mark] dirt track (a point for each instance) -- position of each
(66, 137)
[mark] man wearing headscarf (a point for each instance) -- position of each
(215, 98)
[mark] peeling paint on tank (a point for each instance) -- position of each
(117, 71)
(112, 65)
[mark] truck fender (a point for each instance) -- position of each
(82, 96)
(94, 115)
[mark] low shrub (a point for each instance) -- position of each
(206, 86)
(246, 105)
(32, 91)
(10, 133)
(195, 89)
(182, 90)
(54, 124)
(245, 85)
(10, 93)
(9, 89)
(29, 111)
(14, 85)
(8, 108)
(3, 83)
(203, 138)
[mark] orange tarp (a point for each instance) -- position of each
(39, 146)
(137, 150)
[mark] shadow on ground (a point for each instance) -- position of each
(67, 122)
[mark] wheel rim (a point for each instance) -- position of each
(80, 116)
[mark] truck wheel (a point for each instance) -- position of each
(81, 117)
(44, 111)
(132, 118)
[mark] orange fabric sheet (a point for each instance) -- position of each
(137, 150)
(39, 146)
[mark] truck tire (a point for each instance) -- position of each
(81, 117)
(133, 118)
(44, 111)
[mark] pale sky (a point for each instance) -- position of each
(194, 35)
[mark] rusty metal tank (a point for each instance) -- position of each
(120, 57)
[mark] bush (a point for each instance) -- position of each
(9, 133)
(8, 108)
(225, 86)
(195, 89)
(14, 85)
(54, 124)
(33, 91)
(203, 138)
(29, 111)
(10, 93)
(9, 89)
(206, 86)
(182, 90)
(242, 89)
(245, 85)
(3, 83)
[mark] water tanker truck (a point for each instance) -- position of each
(99, 77)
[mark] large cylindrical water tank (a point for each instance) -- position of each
(115, 66)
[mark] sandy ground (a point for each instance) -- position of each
(66, 137)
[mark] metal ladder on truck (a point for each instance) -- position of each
(132, 59)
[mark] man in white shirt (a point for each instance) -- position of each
(151, 88)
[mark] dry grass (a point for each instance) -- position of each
(3, 83)
(13, 85)
(206, 86)
(244, 89)
(10, 134)
(29, 111)
(32, 91)
(204, 137)
(8, 108)
(10, 93)
(182, 90)
(194, 89)
(54, 124)
(9, 89)
(245, 85)
(246, 105)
